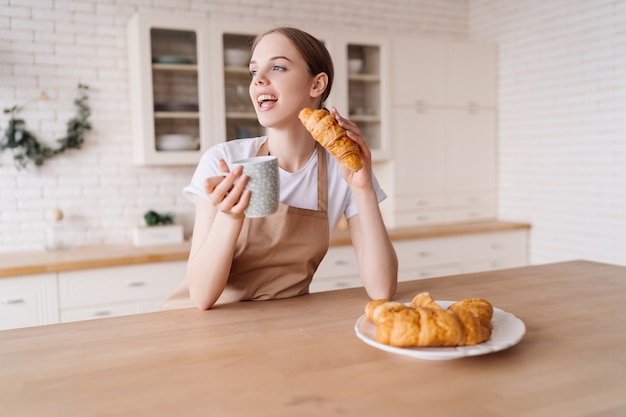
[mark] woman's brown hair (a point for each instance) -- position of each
(313, 51)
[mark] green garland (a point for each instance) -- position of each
(25, 145)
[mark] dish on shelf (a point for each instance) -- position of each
(177, 142)
(355, 66)
(176, 107)
(236, 57)
(171, 59)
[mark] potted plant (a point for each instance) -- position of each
(159, 229)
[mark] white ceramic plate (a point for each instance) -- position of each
(507, 331)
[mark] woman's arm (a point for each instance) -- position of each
(218, 222)
(376, 256)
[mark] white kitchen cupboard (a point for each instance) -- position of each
(444, 129)
(28, 300)
(234, 111)
(430, 257)
(170, 97)
(361, 86)
(115, 291)
(337, 270)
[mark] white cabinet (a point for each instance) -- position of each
(337, 270)
(444, 132)
(430, 257)
(426, 258)
(361, 87)
(28, 300)
(115, 291)
(169, 88)
(234, 112)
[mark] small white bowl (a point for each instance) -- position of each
(236, 57)
(355, 66)
(176, 142)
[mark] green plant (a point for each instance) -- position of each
(153, 218)
(26, 147)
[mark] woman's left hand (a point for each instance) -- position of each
(363, 177)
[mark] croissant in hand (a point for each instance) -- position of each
(425, 323)
(324, 128)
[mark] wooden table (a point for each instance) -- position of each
(301, 357)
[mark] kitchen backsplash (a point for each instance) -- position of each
(52, 45)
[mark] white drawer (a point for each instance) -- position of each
(449, 250)
(497, 245)
(471, 213)
(28, 300)
(335, 283)
(97, 312)
(117, 284)
(339, 261)
(410, 274)
(472, 199)
(419, 217)
(420, 252)
(419, 201)
(494, 264)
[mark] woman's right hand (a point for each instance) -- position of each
(228, 192)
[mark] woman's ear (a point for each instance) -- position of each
(320, 82)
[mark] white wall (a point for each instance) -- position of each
(562, 147)
(51, 45)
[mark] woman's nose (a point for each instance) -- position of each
(259, 79)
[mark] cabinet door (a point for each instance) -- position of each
(419, 151)
(470, 74)
(169, 91)
(234, 110)
(471, 150)
(417, 72)
(28, 300)
(361, 86)
(92, 287)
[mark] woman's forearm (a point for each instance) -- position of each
(377, 258)
(210, 260)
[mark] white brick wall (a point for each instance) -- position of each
(52, 45)
(562, 148)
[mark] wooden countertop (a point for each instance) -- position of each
(37, 262)
(300, 356)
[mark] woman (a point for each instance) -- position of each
(233, 258)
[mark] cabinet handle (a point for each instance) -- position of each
(423, 254)
(101, 313)
(12, 301)
(134, 283)
(341, 262)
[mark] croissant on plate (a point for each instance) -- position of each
(324, 128)
(424, 323)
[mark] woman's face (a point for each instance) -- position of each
(281, 83)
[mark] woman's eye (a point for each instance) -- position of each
(252, 73)
(278, 68)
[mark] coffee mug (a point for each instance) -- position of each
(263, 183)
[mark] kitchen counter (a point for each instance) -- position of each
(300, 356)
(36, 262)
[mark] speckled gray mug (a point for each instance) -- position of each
(263, 183)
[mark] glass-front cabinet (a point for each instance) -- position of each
(169, 75)
(189, 82)
(240, 119)
(360, 88)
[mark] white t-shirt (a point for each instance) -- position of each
(297, 189)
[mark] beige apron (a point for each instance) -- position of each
(277, 255)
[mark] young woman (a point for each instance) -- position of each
(234, 258)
